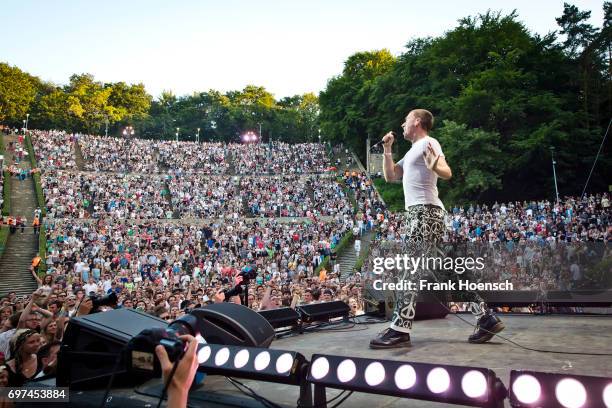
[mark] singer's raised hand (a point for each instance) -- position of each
(388, 140)
(430, 156)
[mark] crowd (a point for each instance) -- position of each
(191, 157)
(54, 149)
(279, 158)
(197, 196)
(121, 155)
(93, 195)
(286, 196)
(572, 219)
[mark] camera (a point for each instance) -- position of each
(141, 355)
(108, 300)
(248, 273)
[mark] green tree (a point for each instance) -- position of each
(17, 92)
(346, 108)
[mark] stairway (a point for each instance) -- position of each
(78, 156)
(347, 258)
(20, 247)
(229, 158)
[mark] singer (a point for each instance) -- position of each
(419, 170)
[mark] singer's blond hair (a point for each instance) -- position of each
(427, 119)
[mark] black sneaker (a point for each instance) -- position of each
(390, 339)
(487, 327)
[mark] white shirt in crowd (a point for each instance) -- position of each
(90, 287)
(106, 285)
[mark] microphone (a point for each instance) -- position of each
(380, 142)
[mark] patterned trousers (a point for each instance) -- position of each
(425, 228)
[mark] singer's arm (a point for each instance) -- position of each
(442, 169)
(391, 171)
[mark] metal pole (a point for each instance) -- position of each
(177, 133)
(27, 120)
(552, 157)
(368, 155)
(198, 136)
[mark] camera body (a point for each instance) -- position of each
(108, 300)
(140, 350)
(248, 273)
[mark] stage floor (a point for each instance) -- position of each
(444, 341)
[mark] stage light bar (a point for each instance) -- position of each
(254, 363)
(472, 386)
(530, 389)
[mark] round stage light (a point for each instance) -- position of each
(284, 363)
(527, 389)
(346, 371)
(570, 393)
(405, 377)
(474, 384)
(203, 354)
(319, 368)
(241, 359)
(374, 374)
(262, 360)
(607, 395)
(222, 356)
(438, 380)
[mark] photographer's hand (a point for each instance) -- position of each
(85, 307)
(184, 374)
(219, 297)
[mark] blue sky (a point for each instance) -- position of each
(289, 47)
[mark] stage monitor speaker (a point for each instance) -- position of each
(381, 303)
(319, 312)
(281, 317)
(236, 325)
(92, 343)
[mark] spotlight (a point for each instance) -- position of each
(570, 393)
(530, 389)
(319, 368)
(346, 371)
(607, 395)
(474, 384)
(251, 363)
(438, 380)
(405, 377)
(375, 374)
(470, 386)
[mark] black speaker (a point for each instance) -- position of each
(236, 325)
(93, 343)
(381, 303)
(318, 312)
(281, 317)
